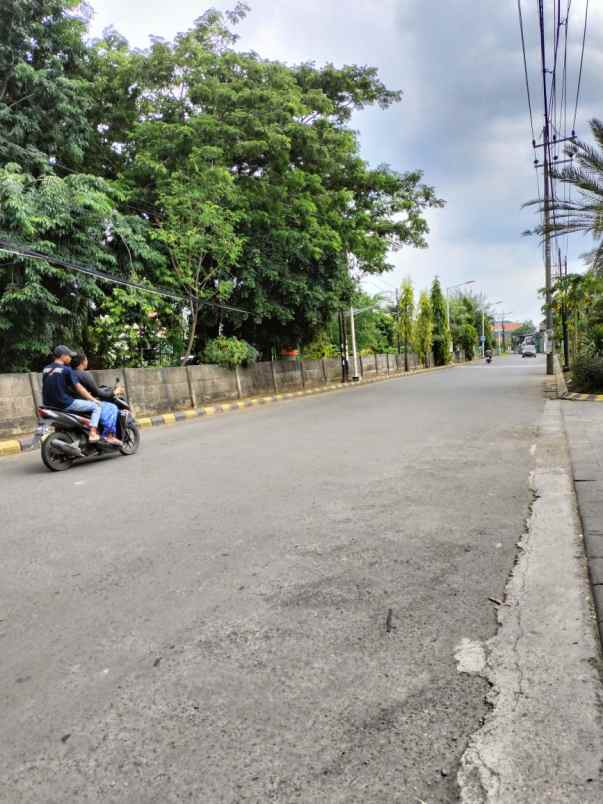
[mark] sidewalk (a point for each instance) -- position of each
(584, 427)
(543, 740)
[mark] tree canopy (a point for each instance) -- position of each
(194, 165)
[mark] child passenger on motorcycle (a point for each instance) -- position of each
(109, 412)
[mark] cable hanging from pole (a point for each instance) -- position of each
(581, 63)
(19, 250)
(556, 35)
(525, 68)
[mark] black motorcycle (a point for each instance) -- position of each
(64, 436)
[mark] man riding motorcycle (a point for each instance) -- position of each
(59, 382)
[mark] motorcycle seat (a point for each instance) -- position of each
(85, 413)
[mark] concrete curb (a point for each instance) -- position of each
(588, 485)
(543, 740)
(562, 391)
(18, 445)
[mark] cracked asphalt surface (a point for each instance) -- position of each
(206, 621)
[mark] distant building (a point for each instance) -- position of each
(509, 328)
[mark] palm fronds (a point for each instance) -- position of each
(584, 213)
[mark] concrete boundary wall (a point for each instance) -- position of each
(313, 373)
(17, 404)
(208, 383)
(257, 379)
(153, 391)
(332, 368)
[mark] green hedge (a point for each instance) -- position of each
(587, 373)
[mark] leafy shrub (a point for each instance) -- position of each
(587, 372)
(320, 346)
(230, 352)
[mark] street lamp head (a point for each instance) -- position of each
(461, 284)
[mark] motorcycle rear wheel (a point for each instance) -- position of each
(130, 440)
(53, 459)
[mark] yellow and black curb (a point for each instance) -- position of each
(572, 397)
(26, 443)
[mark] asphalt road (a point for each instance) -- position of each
(206, 621)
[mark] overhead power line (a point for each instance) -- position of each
(581, 62)
(70, 265)
(525, 68)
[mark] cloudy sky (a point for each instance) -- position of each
(463, 119)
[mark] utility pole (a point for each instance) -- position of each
(343, 346)
(502, 329)
(563, 283)
(550, 366)
(355, 376)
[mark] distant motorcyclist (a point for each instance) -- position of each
(488, 355)
(109, 412)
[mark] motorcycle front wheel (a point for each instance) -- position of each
(54, 459)
(130, 440)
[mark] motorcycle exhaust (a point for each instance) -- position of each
(69, 449)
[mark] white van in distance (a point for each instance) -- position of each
(528, 350)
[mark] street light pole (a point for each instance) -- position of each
(355, 376)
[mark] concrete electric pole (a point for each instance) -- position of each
(355, 376)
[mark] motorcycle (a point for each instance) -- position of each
(488, 358)
(64, 436)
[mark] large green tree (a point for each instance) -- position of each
(190, 153)
(44, 100)
(73, 217)
(199, 231)
(407, 318)
(45, 203)
(302, 195)
(441, 332)
(424, 329)
(464, 322)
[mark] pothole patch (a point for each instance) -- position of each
(470, 656)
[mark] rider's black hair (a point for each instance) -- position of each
(77, 360)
